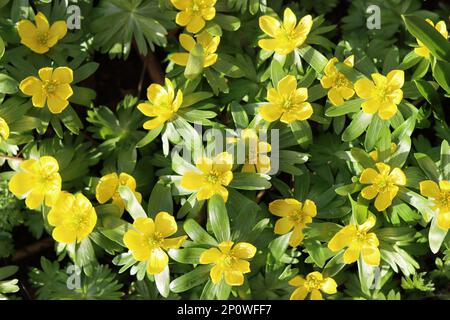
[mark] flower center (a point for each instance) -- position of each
(313, 283)
(384, 183)
(361, 235)
(229, 260)
(444, 199)
(78, 220)
(296, 216)
(155, 240)
(341, 81)
(383, 92)
(213, 177)
(287, 104)
(50, 86)
(42, 39)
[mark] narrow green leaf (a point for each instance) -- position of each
(218, 218)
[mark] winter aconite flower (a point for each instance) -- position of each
(383, 94)
(163, 104)
(4, 129)
(256, 159)
(422, 50)
(286, 35)
(108, 188)
(383, 184)
(358, 241)
(41, 37)
(212, 177)
(286, 102)
(313, 284)
(439, 194)
(230, 261)
(340, 87)
(207, 41)
(194, 13)
(149, 240)
(73, 217)
(39, 181)
(294, 215)
(52, 88)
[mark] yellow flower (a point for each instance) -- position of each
(4, 129)
(295, 215)
(53, 87)
(194, 13)
(230, 261)
(163, 104)
(341, 87)
(39, 181)
(422, 50)
(383, 94)
(374, 154)
(287, 102)
(108, 188)
(286, 36)
(213, 176)
(383, 184)
(358, 241)
(73, 217)
(207, 41)
(41, 37)
(150, 238)
(313, 284)
(440, 195)
(255, 151)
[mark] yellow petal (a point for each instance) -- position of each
(223, 162)
(31, 86)
(444, 185)
(64, 235)
(211, 255)
(443, 220)
(165, 224)
(226, 246)
(371, 255)
(387, 111)
(289, 20)
(268, 44)
(309, 208)
(352, 252)
(181, 4)
(369, 192)
(383, 168)
(56, 105)
(350, 61)
(396, 78)
(299, 294)
(269, 25)
(368, 176)
(157, 262)
(297, 281)
(46, 73)
(283, 226)
(346, 93)
(209, 13)
(429, 188)
(316, 295)
(42, 22)
(173, 243)
(64, 91)
(4, 129)
(368, 224)
(187, 42)
(342, 238)
(383, 201)
(244, 250)
(210, 59)
(242, 266)
(335, 97)
(398, 177)
(283, 207)
(221, 191)
(287, 86)
(58, 29)
(183, 18)
(26, 29)
(154, 123)
(106, 187)
(63, 75)
(157, 94)
(34, 199)
(371, 106)
(195, 24)
(21, 183)
(296, 236)
(205, 193)
(216, 274)
(364, 88)
(304, 26)
(135, 242)
(422, 51)
(270, 112)
(144, 225)
(192, 181)
(234, 278)
(180, 59)
(329, 286)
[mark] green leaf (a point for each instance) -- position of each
(195, 62)
(441, 72)
(160, 199)
(276, 72)
(436, 236)
(84, 71)
(358, 125)
(198, 234)
(302, 133)
(428, 166)
(279, 245)
(349, 106)
(193, 98)
(7, 84)
(149, 137)
(131, 203)
(313, 57)
(431, 38)
(218, 218)
(239, 115)
(445, 160)
(191, 279)
(428, 92)
(250, 181)
(162, 281)
(228, 23)
(2, 48)
(186, 255)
